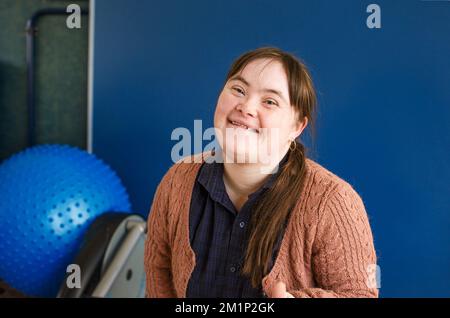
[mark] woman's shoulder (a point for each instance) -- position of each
(183, 170)
(321, 183)
(337, 211)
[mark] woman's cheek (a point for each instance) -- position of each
(220, 113)
(221, 108)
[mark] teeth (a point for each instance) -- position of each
(243, 126)
(237, 124)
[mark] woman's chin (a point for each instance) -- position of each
(240, 155)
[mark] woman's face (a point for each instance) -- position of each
(254, 116)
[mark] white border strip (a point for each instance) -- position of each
(90, 106)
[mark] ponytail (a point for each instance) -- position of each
(270, 214)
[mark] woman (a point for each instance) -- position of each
(231, 229)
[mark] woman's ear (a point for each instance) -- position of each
(299, 127)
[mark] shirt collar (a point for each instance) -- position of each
(211, 178)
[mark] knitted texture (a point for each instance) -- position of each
(326, 251)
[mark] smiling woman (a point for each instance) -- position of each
(231, 229)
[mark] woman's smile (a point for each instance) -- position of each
(238, 125)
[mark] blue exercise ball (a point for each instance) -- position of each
(49, 195)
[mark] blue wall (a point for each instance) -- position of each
(384, 105)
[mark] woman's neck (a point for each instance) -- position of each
(242, 179)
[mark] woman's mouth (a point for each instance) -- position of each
(239, 125)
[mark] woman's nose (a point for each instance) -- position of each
(247, 109)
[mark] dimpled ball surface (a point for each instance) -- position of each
(49, 195)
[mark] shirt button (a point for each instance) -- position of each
(242, 224)
(232, 269)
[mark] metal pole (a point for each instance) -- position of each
(30, 49)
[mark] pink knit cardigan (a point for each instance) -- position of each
(327, 249)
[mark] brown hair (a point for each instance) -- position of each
(271, 212)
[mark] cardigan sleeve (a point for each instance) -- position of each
(157, 252)
(344, 258)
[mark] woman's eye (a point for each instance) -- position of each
(238, 90)
(271, 102)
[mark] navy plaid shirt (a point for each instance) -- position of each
(218, 236)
